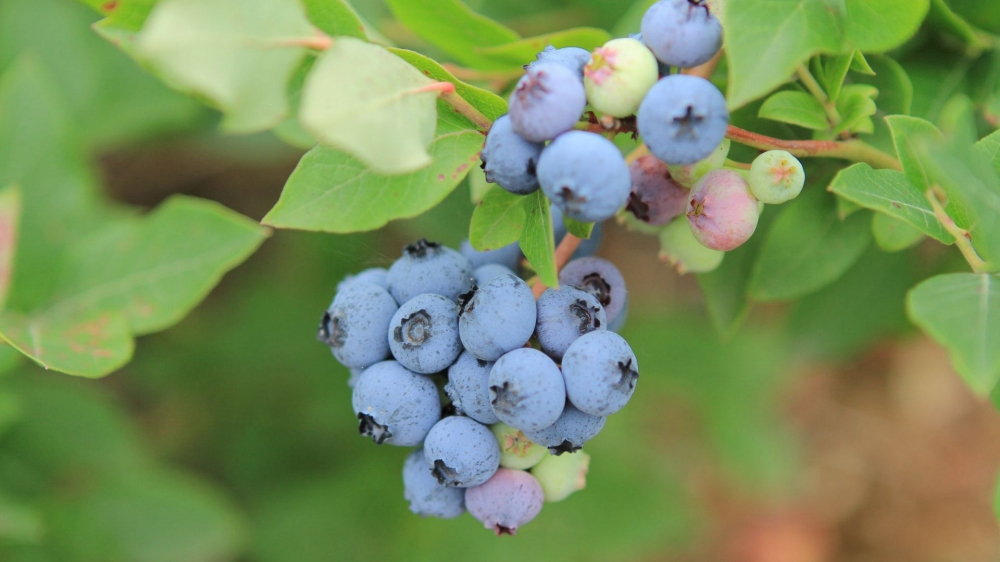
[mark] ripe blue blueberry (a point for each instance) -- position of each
(656, 198)
(585, 175)
(508, 160)
(394, 405)
(509, 255)
(461, 452)
(427, 497)
(682, 33)
(516, 450)
(497, 317)
(468, 387)
(683, 119)
(488, 272)
(423, 334)
(429, 267)
(527, 390)
(564, 315)
(548, 100)
(600, 278)
(510, 499)
(601, 371)
(355, 324)
(573, 58)
(376, 275)
(569, 432)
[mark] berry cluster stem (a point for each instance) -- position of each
(854, 150)
(962, 237)
(564, 252)
(806, 77)
(464, 108)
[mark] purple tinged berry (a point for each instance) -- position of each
(585, 175)
(497, 317)
(548, 100)
(688, 175)
(656, 197)
(601, 373)
(527, 390)
(508, 160)
(427, 497)
(681, 249)
(486, 273)
(507, 256)
(429, 267)
(423, 334)
(722, 211)
(376, 275)
(516, 450)
(600, 278)
(570, 432)
(562, 475)
(573, 58)
(682, 33)
(683, 119)
(468, 387)
(564, 315)
(355, 324)
(394, 405)
(461, 452)
(776, 176)
(507, 501)
(618, 76)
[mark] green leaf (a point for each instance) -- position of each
(834, 72)
(19, 522)
(579, 229)
(893, 84)
(523, 51)
(856, 105)
(498, 220)
(331, 191)
(765, 40)
(362, 99)
(907, 133)
(989, 147)
(453, 28)
(10, 219)
(893, 234)
(89, 345)
(796, 108)
(336, 18)
(537, 239)
(859, 64)
(808, 248)
(236, 53)
(961, 311)
(890, 192)
(944, 19)
(488, 103)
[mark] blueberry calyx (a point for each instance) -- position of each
(503, 398)
(414, 330)
(629, 375)
(688, 124)
(421, 248)
(596, 285)
(465, 303)
(565, 447)
(371, 428)
(331, 332)
(501, 530)
(588, 316)
(638, 207)
(446, 476)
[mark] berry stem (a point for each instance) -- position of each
(706, 70)
(962, 237)
(564, 251)
(319, 41)
(806, 77)
(854, 150)
(464, 108)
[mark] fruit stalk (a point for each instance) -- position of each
(564, 252)
(854, 150)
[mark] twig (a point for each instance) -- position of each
(962, 236)
(463, 107)
(854, 150)
(564, 252)
(806, 77)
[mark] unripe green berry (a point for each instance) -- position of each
(681, 249)
(618, 76)
(776, 176)
(516, 450)
(690, 174)
(561, 475)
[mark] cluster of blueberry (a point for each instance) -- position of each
(682, 119)
(449, 351)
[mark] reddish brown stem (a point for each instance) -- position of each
(706, 70)
(564, 251)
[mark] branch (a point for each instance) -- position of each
(854, 150)
(806, 77)
(565, 251)
(962, 237)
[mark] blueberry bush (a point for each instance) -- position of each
(819, 176)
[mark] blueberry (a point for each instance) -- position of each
(376, 275)
(689, 174)
(682, 33)
(662, 69)
(618, 323)
(428, 267)
(683, 119)
(508, 160)
(585, 175)
(564, 315)
(656, 198)
(423, 334)
(548, 100)
(427, 497)
(573, 58)
(776, 176)
(527, 390)
(601, 371)
(722, 212)
(570, 432)
(356, 323)
(560, 476)
(510, 499)
(600, 278)
(461, 452)
(486, 273)
(395, 405)
(618, 76)
(469, 389)
(587, 247)
(497, 317)
(681, 249)
(509, 255)
(516, 450)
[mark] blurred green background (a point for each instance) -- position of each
(230, 436)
